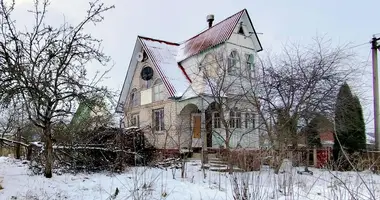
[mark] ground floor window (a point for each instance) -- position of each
(158, 120)
(135, 120)
(249, 121)
(235, 119)
(216, 120)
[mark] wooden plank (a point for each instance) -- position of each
(196, 126)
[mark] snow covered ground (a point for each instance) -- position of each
(148, 183)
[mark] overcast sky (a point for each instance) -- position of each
(280, 22)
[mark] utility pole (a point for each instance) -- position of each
(374, 48)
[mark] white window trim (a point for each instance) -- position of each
(249, 123)
(160, 95)
(135, 116)
(235, 120)
(250, 64)
(161, 128)
(213, 120)
(135, 101)
(233, 69)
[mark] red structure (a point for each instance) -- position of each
(323, 156)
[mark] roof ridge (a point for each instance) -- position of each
(225, 19)
(158, 40)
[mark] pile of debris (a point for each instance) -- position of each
(110, 149)
(169, 163)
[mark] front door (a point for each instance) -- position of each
(196, 130)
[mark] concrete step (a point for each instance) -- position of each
(217, 165)
(225, 169)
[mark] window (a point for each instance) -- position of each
(158, 120)
(135, 120)
(235, 119)
(241, 30)
(216, 120)
(158, 90)
(233, 62)
(249, 62)
(249, 121)
(148, 84)
(135, 98)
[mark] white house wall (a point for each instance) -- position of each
(146, 107)
(248, 41)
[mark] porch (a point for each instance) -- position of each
(199, 122)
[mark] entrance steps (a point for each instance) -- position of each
(215, 164)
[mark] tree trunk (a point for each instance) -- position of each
(1, 147)
(229, 162)
(29, 152)
(18, 145)
(48, 153)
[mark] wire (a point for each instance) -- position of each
(358, 45)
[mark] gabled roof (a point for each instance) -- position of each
(167, 56)
(163, 54)
(211, 37)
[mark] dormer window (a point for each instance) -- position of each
(233, 62)
(158, 90)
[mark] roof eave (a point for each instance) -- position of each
(125, 81)
(250, 21)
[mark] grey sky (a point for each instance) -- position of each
(279, 21)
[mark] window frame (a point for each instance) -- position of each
(161, 120)
(134, 98)
(216, 121)
(158, 90)
(233, 63)
(134, 116)
(235, 119)
(250, 64)
(249, 120)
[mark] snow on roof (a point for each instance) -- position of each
(211, 37)
(163, 55)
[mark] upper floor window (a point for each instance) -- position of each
(158, 90)
(235, 119)
(147, 84)
(241, 30)
(134, 98)
(250, 62)
(233, 62)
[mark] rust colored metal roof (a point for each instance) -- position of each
(211, 37)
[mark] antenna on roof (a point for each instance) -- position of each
(210, 19)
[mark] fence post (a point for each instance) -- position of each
(315, 158)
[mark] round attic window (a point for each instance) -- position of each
(146, 73)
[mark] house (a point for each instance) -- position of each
(183, 93)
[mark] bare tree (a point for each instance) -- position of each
(230, 115)
(295, 86)
(45, 66)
